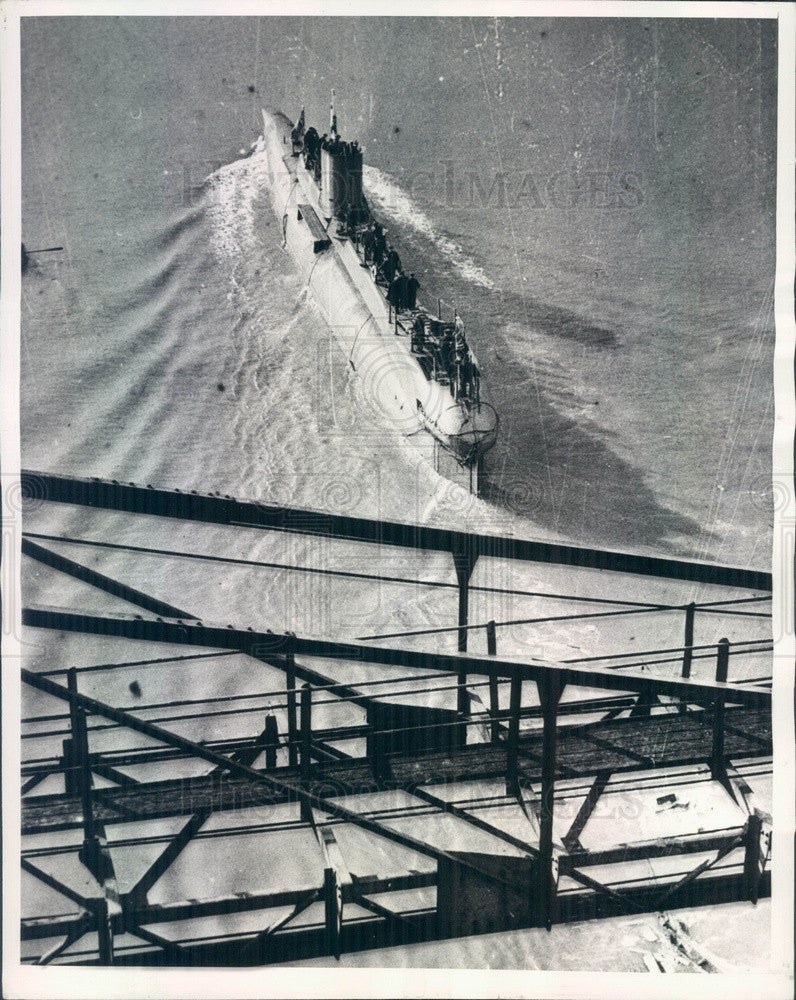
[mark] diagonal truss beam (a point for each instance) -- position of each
(37, 779)
(741, 792)
(106, 583)
(694, 874)
(396, 920)
(272, 647)
(571, 838)
(180, 841)
(279, 923)
(163, 861)
(111, 773)
(170, 948)
(54, 883)
(293, 791)
(605, 890)
(58, 949)
(625, 901)
(468, 817)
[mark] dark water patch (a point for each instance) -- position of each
(565, 478)
(497, 307)
(179, 226)
(556, 321)
(552, 320)
(144, 293)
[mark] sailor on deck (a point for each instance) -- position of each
(394, 292)
(446, 351)
(392, 264)
(297, 133)
(398, 294)
(420, 331)
(368, 240)
(378, 251)
(412, 285)
(403, 290)
(312, 144)
(460, 353)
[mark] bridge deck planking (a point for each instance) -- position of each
(623, 746)
(661, 741)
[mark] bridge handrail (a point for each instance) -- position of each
(271, 646)
(218, 509)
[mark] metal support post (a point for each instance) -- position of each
(93, 852)
(494, 710)
(688, 643)
(722, 660)
(292, 727)
(494, 701)
(549, 696)
(464, 561)
(104, 931)
(306, 746)
(688, 639)
(74, 710)
(332, 898)
(514, 736)
(271, 741)
(717, 769)
(491, 639)
(751, 862)
(70, 782)
(82, 771)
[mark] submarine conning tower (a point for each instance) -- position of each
(341, 177)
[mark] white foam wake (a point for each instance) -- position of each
(230, 195)
(395, 203)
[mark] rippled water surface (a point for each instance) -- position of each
(595, 197)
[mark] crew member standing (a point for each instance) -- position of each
(392, 264)
(401, 291)
(412, 285)
(460, 353)
(394, 293)
(367, 244)
(388, 267)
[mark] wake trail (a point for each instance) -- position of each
(402, 209)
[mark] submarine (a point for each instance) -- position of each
(418, 372)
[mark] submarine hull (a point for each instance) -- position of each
(360, 320)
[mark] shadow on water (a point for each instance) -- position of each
(546, 465)
(554, 469)
(556, 321)
(549, 468)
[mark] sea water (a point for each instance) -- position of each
(594, 196)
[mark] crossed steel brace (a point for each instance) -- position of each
(109, 913)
